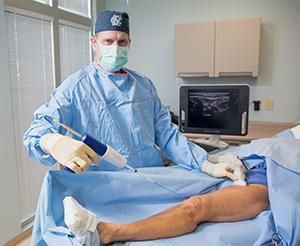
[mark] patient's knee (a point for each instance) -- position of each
(260, 199)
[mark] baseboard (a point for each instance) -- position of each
(27, 222)
(17, 239)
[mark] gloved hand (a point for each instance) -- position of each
(296, 131)
(69, 152)
(227, 165)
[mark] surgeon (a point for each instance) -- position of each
(115, 105)
(121, 108)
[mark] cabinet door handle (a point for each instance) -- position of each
(235, 74)
(205, 74)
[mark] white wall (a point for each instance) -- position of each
(152, 52)
(9, 198)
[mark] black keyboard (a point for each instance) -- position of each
(207, 148)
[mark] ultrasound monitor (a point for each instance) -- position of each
(214, 109)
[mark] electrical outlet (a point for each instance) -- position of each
(256, 105)
(269, 104)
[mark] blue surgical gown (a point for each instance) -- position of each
(121, 110)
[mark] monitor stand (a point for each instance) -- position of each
(213, 141)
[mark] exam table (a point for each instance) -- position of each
(124, 197)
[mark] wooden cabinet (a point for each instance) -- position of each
(194, 49)
(237, 47)
(221, 48)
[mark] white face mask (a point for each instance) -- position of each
(113, 57)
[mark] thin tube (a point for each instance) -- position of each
(153, 181)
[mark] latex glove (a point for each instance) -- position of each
(69, 152)
(227, 165)
(296, 131)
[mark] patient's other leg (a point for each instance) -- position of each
(232, 203)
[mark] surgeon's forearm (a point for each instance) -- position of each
(233, 203)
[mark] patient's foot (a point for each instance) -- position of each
(78, 219)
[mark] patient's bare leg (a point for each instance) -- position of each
(232, 203)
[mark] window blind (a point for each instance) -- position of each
(31, 78)
(80, 7)
(75, 49)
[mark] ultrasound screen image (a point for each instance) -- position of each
(213, 109)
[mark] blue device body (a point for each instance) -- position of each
(94, 144)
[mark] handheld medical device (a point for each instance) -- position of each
(109, 154)
(104, 151)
